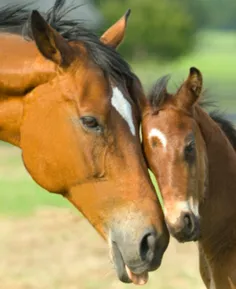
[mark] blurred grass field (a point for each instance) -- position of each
(45, 243)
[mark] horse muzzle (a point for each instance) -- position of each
(135, 256)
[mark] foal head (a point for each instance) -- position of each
(175, 152)
(80, 138)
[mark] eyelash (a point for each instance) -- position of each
(189, 152)
(91, 123)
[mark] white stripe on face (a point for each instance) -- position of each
(157, 133)
(122, 106)
(193, 204)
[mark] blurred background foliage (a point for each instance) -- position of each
(163, 28)
(166, 29)
(220, 14)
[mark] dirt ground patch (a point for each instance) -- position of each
(56, 249)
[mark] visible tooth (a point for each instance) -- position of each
(137, 279)
(129, 273)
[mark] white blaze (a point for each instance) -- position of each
(160, 135)
(123, 107)
(193, 204)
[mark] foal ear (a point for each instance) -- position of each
(115, 34)
(194, 81)
(191, 90)
(49, 42)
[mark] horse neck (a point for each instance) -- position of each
(22, 69)
(218, 208)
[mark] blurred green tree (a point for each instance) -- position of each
(159, 28)
(220, 14)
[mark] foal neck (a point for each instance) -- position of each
(218, 209)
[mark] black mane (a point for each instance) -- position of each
(16, 19)
(220, 118)
(226, 125)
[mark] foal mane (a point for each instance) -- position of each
(220, 118)
(158, 95)
(15, 19)
(226, 125)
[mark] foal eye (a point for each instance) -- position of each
(189, 152)
(90, 122)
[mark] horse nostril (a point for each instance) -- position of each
(147, 247)
(188, 222)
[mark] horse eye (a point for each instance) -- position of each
(189, 152)
(90, 123)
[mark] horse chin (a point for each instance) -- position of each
(119, 264)
(180, 237)
(191, 239)
(125, 275)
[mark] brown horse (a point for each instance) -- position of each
(195, 165)
(67, 100)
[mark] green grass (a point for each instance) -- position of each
(215, 56)
(24, 197)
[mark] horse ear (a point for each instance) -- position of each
(115, 34)
(191, 90)
(49, 42)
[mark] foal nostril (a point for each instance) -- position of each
(189, 223)
(147, 247)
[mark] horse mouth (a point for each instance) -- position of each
(182, 238)
(193, 238)
(137, 279)
(124, 272)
